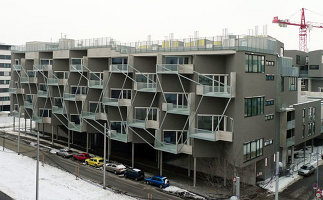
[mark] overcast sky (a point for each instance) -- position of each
(134, 20)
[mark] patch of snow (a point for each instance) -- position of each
(19, 181)
(182, 192)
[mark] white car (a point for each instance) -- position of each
(115, 168)
(306, 170)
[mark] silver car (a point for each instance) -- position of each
(115, 168)
(66, 153)
(306, 170)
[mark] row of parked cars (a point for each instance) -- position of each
(117, 168)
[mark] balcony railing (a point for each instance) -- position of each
(56, 81)
(74, 97)
(42, 93)
(16, 90)
(174, 68)
(28, 80)
(58, 110)
(144, 124)
(115, 102)
(77, 68)
(17, 67)
(42, 67)
(75, 127)
(176, 109)
(290, 124)
(29, 104)
(16, 113)
(121, 137)
(173, 148)
(145, 87)
(286, 68)
(97, 84)
(119, 68)
(290, 141)
(94, 115)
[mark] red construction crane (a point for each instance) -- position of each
(303, 28)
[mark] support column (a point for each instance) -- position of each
(56, 132)
(132, 155)
(87, 142)
(292, 154)
(312, 143)
(52, 135)
(158, 159)
(225, 172)
(189, 166)
(68, 139)
(14, 123)
(194, 174)
(19, 134)
(284, 156)
(43, 129)
(25, 125)
(31, 125)
(161, 163)
(109, 148)
(304, 151)
(73, 137)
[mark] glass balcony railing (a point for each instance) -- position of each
(42, 93)
(24, 79)
(69, 97)
(119, 68)
(176, 109)
(88, 115)
(37, 119)
(77, 68)
(217, 91)
(115, 102)
(97, 84)
(146, 87)
(138, 123)
(290, 141)
(16, 91)
(16, 113)
(42, 67)
(75, 127)
(58, 110)
(52, 81)
(29, 104)
(167, 147)
(174, 68)
(285, 67)
(122, 137)
(17, 67)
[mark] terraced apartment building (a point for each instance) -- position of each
(220, 105)
(5, 70)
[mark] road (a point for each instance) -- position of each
(117, 183)
(303, 188)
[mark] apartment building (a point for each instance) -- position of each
(231, 101)
(5, 71)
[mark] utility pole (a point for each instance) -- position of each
(104, 154)
(19, 133)
(317, 167)
(238, 187)
(277, 176)
(37, 165)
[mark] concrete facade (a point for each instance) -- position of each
(5, 72)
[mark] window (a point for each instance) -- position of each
(119, 126)
(298, 59)
(94, 107)
(43, 87)
(255, 63)
(58, 101)
(179, 100)
(311, 113)
(210, 122)
(2, 90)
(5, 65)
(142, 113)
(292, 83)
(306, 59)
(5, 57)
(269, 117)
(314, 67)
(4, 98)
(269, 102)
(79, 90)
(4, 82)
(97, 76)
(61, 75)
(311, 128)
(252, 149)
(177, 60)
(321, 58)
(303, 131)
(268, 142)
(254, 106)
(45, 112)
(270, 77)
(282, 84)
(303, 83)
(77, 61)
(46, 61)
(119, 61)
(175, 137)
(270, 63)
(75, 118)
(29, 98)
(121, 94)
(217, 81)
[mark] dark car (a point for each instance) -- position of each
(136, 174)
(66, 153)
(81, 157)
(160, 181)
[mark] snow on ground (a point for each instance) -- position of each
(285, 181)
(18, 181)
(182, 192)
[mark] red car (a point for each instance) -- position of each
(81, 157)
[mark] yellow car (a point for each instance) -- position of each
(95, 161)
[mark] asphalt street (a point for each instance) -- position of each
(303, 188)
(115, 182)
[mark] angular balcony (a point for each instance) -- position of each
(96, 84)
(74, 97)
(121, 137)
(17, 67)
(29, 104)
(16, 91)
(44, 120)
(145, 87)
(119, 68)
(42, 94)
(176, 109)
(285, 67)
(93, 115)
(75, 127)
(290, 124)
(174, 68)
(143, 124)
(107, 101)
(225, 133)
(290, 141)
(58, 110)
(222, 90)
(173, 148)
(42, 67)
(28, 80)
(15, 113)
(78, 68)
(56, 82)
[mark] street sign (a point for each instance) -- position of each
(318, 193)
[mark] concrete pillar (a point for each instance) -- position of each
(292, 153)
(109, 148)
(188, 165)
(43, 129)
(284, 156)
(56, 132)
(25, 126)
(132, 155)
(312, 143)
(158, 158)
(52, 135)
(14, 123)
(224, 172)
(68, 139)
(304, 151)
(73, 137)
(31, 125)
(87, 142)
(161, 163)
(194, 173)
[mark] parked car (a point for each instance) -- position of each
(81, 157)
(136, 174)
(306, 170)
(115, 168)
(66, 153)
(160, 181)
(95, 161)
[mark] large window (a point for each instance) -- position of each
(79, 90)
(46, 61)
(177, 99)
(252, 149)
(210, 122)
(146, 78)
(142, 113)
(292, 83)
(311, 128)
(174, 137)
(314, 67)
(61, 75)
(97, 76)
(75, 118)
(58, 101)
(254, 106)
(45, 112)
(311, 113)
(77, 61)
(255, 63)
(121, 94)
(94, 107)
(119, 127)
(177, 60)
(5, 57)
(43, 87)
(119, 61)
